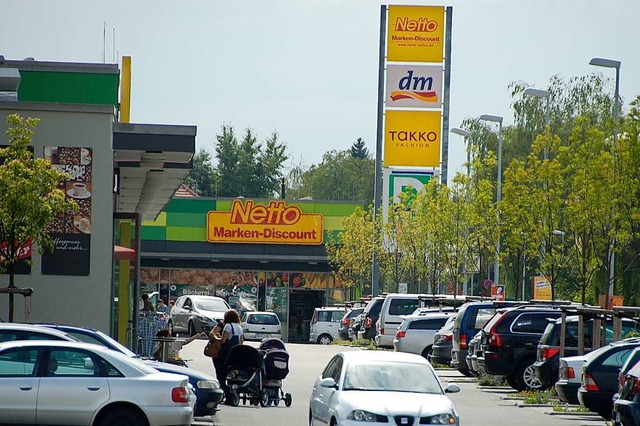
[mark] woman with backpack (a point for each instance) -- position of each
(231, 334)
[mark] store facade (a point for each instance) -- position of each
(257, 254)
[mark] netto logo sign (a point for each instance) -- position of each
(272, 223)
(420, 25)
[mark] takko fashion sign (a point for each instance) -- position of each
(272, 223)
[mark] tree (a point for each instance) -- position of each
(202, 176)
(30, 199)
(359, 149)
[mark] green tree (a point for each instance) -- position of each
(30, 199)
(359, 149)
(202, 176)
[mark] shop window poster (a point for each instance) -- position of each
(71, 233)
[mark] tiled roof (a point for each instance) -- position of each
(184, 191)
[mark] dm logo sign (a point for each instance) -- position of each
(414, 86)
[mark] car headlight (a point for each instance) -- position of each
(365, 416)
(208, 384)
(441, 419)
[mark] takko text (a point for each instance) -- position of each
(275, 213)
(420, 25)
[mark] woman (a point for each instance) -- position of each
(230, 330)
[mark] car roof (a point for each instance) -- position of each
(57, 343)
(261, 313)
(330, 308)
(429, 315)
(365, 355)
(34, 327)
(200, 296)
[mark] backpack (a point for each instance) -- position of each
(232, 340)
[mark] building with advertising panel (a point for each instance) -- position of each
(257, 254)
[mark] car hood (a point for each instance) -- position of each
(394, 403)
(166, 367)
(211, 314)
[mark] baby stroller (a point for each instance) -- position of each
(244, 377)
(276, 368)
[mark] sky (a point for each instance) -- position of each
(308, 69)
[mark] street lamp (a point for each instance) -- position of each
(539, 93)
(611, 63)
(497, 119)
(466, 135)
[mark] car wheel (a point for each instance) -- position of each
(605, 415)
(288, 400)
(324, 339)
(466, 373)
(264, 398)
(310, 417)
(425, 352)
(512, 380)
(192, 329)
(527, 376)
(122, 417)
(334, 422)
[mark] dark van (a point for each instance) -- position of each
(369, 318)
(472, 316)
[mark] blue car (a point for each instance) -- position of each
(207, 388)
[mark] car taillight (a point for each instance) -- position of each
(495, 341)
(548, 353)
(180, 394)
(463, 341)
(368, 322)
(400, 334)
(444, 338)
(568, 373)
(346, 321)
(589, 383)
(636, 385)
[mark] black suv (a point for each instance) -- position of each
(548, 359)
(369, 317)
(509, 343)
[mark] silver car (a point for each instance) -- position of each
(74, 383)
(193, 314)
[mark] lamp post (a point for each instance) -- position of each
(466, 135)
(497, 119)
(611, 63)
(539, 93)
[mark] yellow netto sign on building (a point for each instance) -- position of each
(412, 138)
(273, 223)
(415, 33)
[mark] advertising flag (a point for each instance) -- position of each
(415, 34)
(412, 138)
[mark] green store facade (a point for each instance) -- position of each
(186, 250)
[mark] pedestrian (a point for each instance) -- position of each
(146, 304)
(174, 346)
(230, 332)
(161, 306)
(171, 304)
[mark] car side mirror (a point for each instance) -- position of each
(328, 382)
(452, 388)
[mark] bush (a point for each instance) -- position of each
(488, 380)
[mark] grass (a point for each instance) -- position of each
(538, 397)
(488, 380)
(359, 343)
(564, 408)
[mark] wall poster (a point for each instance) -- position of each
(71, 233)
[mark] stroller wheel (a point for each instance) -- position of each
(234, 399)
(276, 402)
(287, 400)
(264, 398)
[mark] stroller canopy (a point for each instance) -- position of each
(272, 343)
(244, 356)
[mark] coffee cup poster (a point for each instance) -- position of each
(71, 233)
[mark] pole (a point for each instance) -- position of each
(375, 275)
(615, 139)
(496, 265)
(445, 96)
(547, 120)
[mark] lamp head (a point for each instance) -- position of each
(461, 132)
(607, 63)
(538, 93)
(494, 118)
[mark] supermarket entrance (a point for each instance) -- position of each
(301, 306)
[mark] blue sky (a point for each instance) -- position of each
(308, 68)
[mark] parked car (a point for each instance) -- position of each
(11, 331)
(355, 326)
(393, 308)
(626, 407)
(509, 343)
(257, 325)
(76, 383)
(569, 378)
(207, 388)
(548, 353)
(324, 325)
(416, 332)
(600, 376)
(381, 387)
(194, 314)
(441, 350)
(473, 350)
(472, 316)
(347, 321)
(370, 318)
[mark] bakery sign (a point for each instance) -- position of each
(272, 223)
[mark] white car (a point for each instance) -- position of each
(325, 324)
(260, 325)
(380, 387)
(74, 383)
(416, 332)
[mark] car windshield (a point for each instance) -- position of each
(211, 305)
(264, 319)
(391, 377)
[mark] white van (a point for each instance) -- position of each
(325, 324)
(393, 306)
